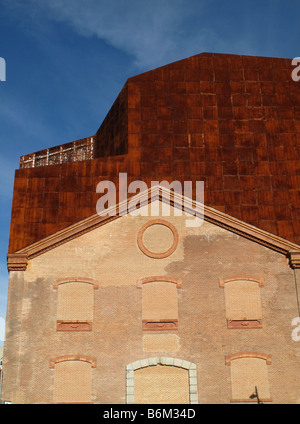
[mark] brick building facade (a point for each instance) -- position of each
(146, 309)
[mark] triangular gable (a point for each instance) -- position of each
(18, 260)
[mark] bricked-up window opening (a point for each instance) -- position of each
(72, 382)
(161, 384)
(243, 302)
(161, 380)
(75, 304)
(248, 372)
(159, 305)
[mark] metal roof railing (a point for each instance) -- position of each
(74, 151)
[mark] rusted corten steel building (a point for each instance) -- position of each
(136, 308)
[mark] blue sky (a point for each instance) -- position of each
(67, 60)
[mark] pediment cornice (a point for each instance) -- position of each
(18, 260)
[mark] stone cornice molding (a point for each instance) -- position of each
(294, 257)
(17, 261)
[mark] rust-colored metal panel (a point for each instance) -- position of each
(230, 120)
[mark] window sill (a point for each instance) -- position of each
(74, 326)
(160, 325)
(244, 324)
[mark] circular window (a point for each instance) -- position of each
(157, 239)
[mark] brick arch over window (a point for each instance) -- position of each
(76, 280)
(162, 361)
(153, 278)
(258, 280)
(234, 356)
(84, 358)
